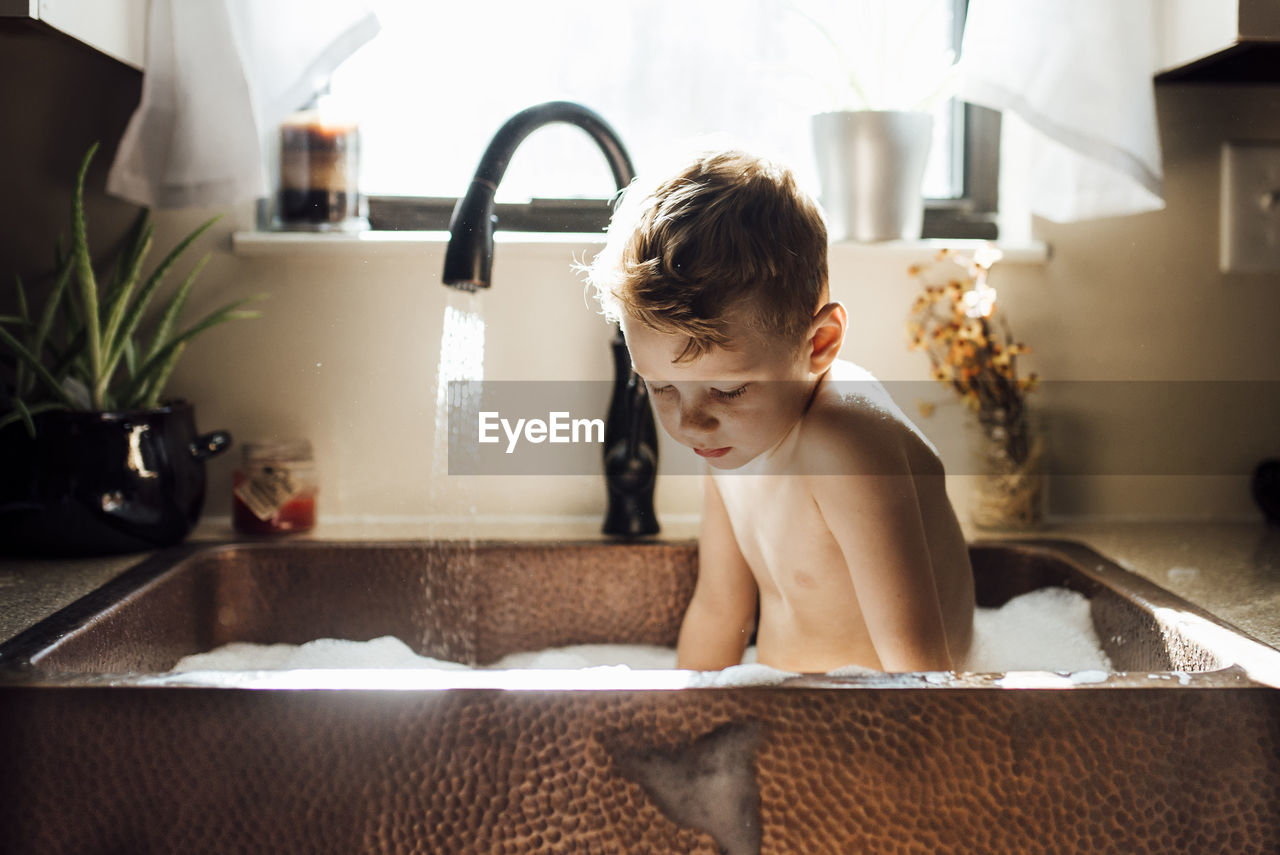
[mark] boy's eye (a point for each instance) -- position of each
(721, 394)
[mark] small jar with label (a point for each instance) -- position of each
(274, 489)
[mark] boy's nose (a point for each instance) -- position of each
(695, 420)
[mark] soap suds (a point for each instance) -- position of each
(385, 652)
(1045, 630)
(748, 674)
(1086, 677)
(640, 657)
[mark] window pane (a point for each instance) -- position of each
(437, 82)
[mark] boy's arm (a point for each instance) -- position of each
(876, 521)
(722, 612)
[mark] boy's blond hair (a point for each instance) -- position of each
(730, 241)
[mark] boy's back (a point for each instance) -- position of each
(827, 509)
(816, 525)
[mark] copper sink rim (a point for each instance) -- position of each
(1256, 664)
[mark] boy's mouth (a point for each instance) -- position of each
(713, 452)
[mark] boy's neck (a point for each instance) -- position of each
(770, 453)
(813, 393)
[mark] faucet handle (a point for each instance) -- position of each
(631, 461)
(629, 475)
(630, 471)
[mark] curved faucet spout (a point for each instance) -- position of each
(468, 260)
(631, 436)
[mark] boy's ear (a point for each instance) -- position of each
(826, 335)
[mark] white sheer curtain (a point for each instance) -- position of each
(1074, 79)
(220, 76)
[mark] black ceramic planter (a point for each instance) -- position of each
(103, 482)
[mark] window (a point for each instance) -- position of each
(433, 87)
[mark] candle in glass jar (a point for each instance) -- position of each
(319, 170)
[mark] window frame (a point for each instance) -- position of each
(973, 213)
(970, 215)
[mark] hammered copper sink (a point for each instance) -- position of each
(102, 753)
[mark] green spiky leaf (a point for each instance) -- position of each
(119, 301)
(22, 299)
(37, 367)
(20, 373)
(84, 275)
(26, 417)
(144, 384)
(130, 357)
(174, 308)
(169, 319)
(132, 251)
(161, 378)
(51, 305)
(24, 414)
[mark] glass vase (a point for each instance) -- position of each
(1010, 485)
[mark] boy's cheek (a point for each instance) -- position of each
(759, 415)
(666, 420)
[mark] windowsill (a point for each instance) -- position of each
(398, 243)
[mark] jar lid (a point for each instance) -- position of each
(276, 450)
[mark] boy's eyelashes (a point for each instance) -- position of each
(722, 394)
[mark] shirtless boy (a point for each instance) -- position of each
(824, 506)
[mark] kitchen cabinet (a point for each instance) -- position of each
(117, 28)
(1225, 41)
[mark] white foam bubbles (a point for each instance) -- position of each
(324, 653)
(1045, 630)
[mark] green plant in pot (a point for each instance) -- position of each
(94, 459)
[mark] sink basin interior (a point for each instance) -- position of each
(475, 603)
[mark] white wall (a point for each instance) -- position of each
(346, 351)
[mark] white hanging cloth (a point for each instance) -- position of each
(220, 76)
(1079, 74)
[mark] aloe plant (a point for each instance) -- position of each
(85, 349)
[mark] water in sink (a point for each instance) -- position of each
(1045, 630)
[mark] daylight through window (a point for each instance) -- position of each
(437, 82)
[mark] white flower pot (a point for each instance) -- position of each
(871, 166)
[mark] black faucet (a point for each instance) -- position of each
(630, 434)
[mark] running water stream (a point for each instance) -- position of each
(459, 372)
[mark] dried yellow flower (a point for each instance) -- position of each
(953, 323)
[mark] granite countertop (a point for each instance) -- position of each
(1231, 570)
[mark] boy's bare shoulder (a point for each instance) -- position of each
(854, 427)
